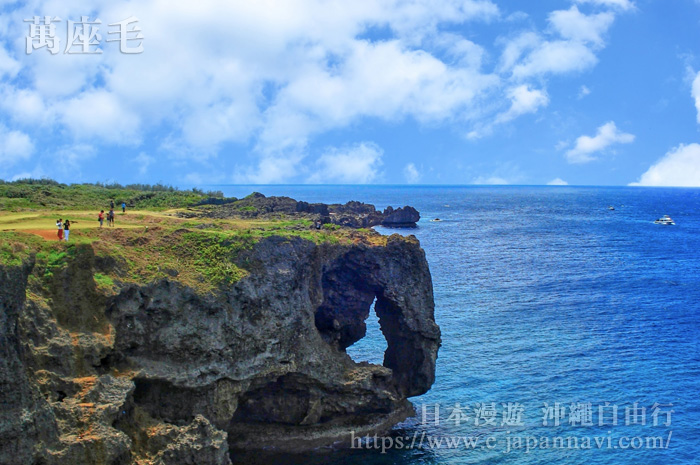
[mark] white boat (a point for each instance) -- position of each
(665, 220)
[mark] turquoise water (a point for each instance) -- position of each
(544, 295)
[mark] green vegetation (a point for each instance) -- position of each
(38, 194)
(103, 281)
(148, 244)
(13, 250)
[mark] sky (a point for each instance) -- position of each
(578, 92)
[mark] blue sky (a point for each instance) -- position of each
(584, 92)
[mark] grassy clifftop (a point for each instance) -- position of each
(146, 243)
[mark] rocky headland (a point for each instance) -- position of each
(353, 214)
(177, 344)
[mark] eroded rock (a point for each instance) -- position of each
(164, 373)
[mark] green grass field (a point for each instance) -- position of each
(147, 243)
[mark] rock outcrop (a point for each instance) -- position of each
(352, 214)
(405, 217)
(161, 373)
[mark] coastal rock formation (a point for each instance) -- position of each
(352, 214)
(163, 373)
(405, 217)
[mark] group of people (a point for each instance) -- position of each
(64, 226)
(111, 206)
(63, 229)
(110, 217)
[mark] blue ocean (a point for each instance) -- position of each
(571, 331)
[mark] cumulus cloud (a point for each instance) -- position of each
(100, 114)
(574, 39)
(15, 146)
(272, 169)
(557, 182)
(556, 57)
(696, 94)
(308, 52)
(680, 167)
(574, 25)
(381, 80)
(583, 91)
(615, 4)
(358, 164)
(272, 76)
(523, 100)
(25, 106)
(586, 147)
(410, 172)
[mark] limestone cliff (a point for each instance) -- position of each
(163, 373)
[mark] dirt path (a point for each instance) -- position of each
(49, 235)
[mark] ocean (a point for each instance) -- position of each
(571, 332)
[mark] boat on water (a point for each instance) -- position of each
(436, 219)
(611, 207)
(665, 220)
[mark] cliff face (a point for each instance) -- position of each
(161, 373)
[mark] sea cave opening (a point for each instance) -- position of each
(373, 345)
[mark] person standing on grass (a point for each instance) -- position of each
(111, 204)
(59, 225)
(66, 227)
(101, 217)
(123, 207)
(110, 218)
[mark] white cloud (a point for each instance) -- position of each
(271, 169)
(515, 48)
(25, 106)
(583, 91)
(411, 173)
(143, 161)
(8, 65)
(100, 114)
(556, 57)
(587, 146)
(523, 100)
(557, 182)
(517, 16)
(574, 25)
(23, 175)
(219, 76)
(353, 165)
(490, 180)
(272, 75)
(696, 95)
(504, 173)
(15, 146)
(71, 157)
(680, 167)
(382, 80)
(616, 4)
(577, 37)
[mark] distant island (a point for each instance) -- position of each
(200, 326)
